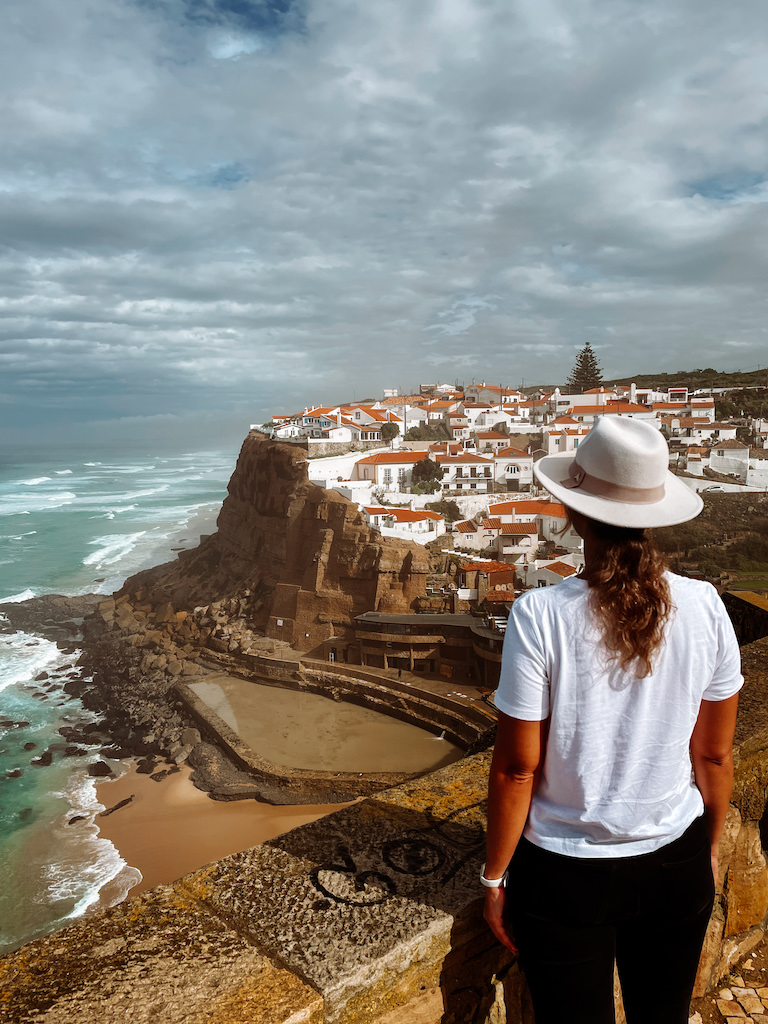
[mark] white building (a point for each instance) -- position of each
(466, 472)
(420, 525)
(391, 471)
(513, 469)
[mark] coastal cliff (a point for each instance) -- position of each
(299, 559)
(290, 566)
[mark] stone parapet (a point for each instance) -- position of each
(373, 908)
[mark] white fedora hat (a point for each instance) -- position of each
(620, 475)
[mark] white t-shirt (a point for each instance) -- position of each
(616, 779)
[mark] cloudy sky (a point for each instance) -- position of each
(212, 210)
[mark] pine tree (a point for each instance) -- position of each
(586, 373)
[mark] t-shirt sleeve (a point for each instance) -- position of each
(727, 678)
(523, 690)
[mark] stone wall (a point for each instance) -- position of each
(345, 920)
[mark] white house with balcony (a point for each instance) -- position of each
(466, 472)
(513, 469)
(518, 542)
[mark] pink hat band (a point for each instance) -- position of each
(613, 492)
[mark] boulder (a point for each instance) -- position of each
(100, 770)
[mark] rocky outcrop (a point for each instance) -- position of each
(300, 559)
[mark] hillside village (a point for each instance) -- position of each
(452, 467)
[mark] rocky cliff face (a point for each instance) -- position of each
(300, 558)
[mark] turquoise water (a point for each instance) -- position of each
(74, 520)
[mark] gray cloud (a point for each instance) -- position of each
(216, 209)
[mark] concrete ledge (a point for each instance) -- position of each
(340, 920)
(158, 958)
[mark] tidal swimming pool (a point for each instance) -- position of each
(295, 729)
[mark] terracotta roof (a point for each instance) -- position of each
(492, 435)
(599, 391)
(466, 526)
(512, 529)
(500, 596)
(392, 457)
(563, 419)
(490, 524)
(561, 569)
(615, 406)
(758, 453)
(488, 566)
(512, 453)
(446, 448)
(669, 405)
(319, 411)
(730, 443)
(526, 506)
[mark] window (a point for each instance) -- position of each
(387, 476)
(513, 469)
(401, 473)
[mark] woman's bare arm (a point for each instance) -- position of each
(517, 760)
(712, 757)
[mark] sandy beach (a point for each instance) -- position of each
(171, 828)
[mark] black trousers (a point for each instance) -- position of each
(571, 917)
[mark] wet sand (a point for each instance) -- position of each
(171, 828)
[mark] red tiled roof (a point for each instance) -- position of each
(616, 406)
(669, 405)
(561, 569)
(500, 595)
(599, 391)
(564, 419)
(491, 435)
(446, 447)
(490, 524)
(466, 526)
(392, 457)
(526, 506)
(730, 443)
(512, 453)
(512, 529)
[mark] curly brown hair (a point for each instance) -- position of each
(630, 595)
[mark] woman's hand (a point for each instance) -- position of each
(493, 914)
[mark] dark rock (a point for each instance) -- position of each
(14, 773)
(43, 760)
(74, 751)
(146, 766)
(26, 814)
(100, 770)
(122, 803)
(41, 675)
(77, 817)
(30, 746)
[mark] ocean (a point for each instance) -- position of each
(75, 520)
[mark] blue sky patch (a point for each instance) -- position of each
(725, 186)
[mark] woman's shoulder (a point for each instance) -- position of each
(541, 598)
(683, 585)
